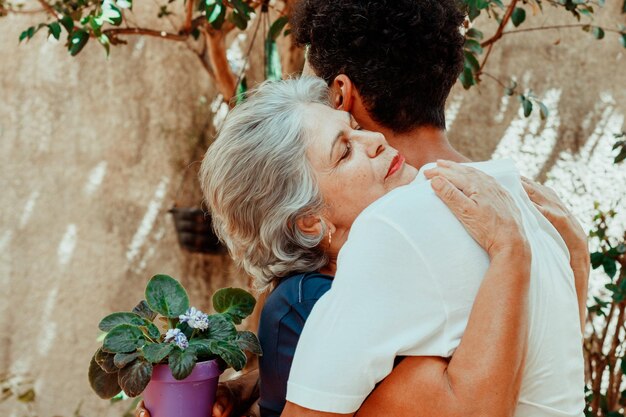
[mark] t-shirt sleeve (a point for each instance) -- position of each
(383, 303)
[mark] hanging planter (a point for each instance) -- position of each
(192, 221)
(194, 230)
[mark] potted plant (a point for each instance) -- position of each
(178, 370)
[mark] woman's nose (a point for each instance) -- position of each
(375, 144)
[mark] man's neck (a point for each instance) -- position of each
(423, 145)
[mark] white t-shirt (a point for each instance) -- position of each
(406, 281)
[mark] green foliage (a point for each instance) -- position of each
(134, 377)
(181, 362)
(156, 352)
(133, 343)
(234, 303)
(475, 59)
(104, 384)
(124, 338)
(166, 296)
(606, 339)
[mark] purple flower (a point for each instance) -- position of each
(177, 337)
(195, 318)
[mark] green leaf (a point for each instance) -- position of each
(277, 27)
(152, 330)
(473, 9)
(467, 78)
(67, 23)
(122, 359)
(242, 8)
(156, 352)
(597, 32)
(103, 384)
(143, 310)
(474, 33)
(215, 12)
(473, 46)
(231, 354)
(241, 91)
(134, 378)
(543, 110)
(247, 340)
(54, 29)
(106, 361)
(78, 40)
(235, 303)
(124, 338)
(202, 347)
(166, 296)
(597, 258)
(518, 16)
(527, 105)
(609, 266)
(109, 13)
(273, 69)
(29, 33)
(220, 328)
(237, 20)
(181, 363)
(112, 320)
(471, 62)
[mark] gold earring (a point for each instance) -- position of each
(330, 238)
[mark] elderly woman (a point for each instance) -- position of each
(286, 180)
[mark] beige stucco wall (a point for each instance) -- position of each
(90, 162)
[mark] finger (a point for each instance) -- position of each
(140, 410)
(463, 177)
(452, 197)
(534, 193)
(542, 210)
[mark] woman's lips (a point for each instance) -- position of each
(396, 164)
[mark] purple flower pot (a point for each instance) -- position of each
(191, 397)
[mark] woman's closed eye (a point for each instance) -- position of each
(346, 151)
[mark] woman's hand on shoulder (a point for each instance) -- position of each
(482, 205)
(551, 206)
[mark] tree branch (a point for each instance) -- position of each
(50, 9)
(147, 32)
(15, 11)
(187, 26)
(489, 42)
(224, 78)
(579, 25)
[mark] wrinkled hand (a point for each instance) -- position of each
(483, 206)
(553, 209)
(223, 407)
(551, 206)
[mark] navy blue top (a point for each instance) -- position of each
(282, 320)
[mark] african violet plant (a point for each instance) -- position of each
(133, 344)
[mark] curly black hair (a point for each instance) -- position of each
(403, 56)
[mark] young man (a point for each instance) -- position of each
(391, 64)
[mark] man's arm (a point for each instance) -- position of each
(484, 376)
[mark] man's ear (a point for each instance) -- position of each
(342, 93)
(309, 224)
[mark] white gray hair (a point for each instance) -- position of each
(257, 181)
